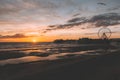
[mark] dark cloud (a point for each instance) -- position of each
(14, 36)
(102, 4)
(55, 27)
(64, 26)
(104, 20)
(107, 19)
(77, 14)
(74, 20)
(113, 8)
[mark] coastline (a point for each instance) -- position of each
(78, 68)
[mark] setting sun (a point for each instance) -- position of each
(34, 40)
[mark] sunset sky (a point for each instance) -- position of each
(47, 20)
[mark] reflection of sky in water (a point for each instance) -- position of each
(36, 58)
(50, 57)
(34, 52)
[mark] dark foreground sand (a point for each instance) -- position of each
(105, 67)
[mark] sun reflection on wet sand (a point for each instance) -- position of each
(37, 58)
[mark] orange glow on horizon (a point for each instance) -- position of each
(50, 38)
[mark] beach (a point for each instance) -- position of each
(85, 67)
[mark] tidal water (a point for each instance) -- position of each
(15, 53)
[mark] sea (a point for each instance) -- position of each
(26, 52)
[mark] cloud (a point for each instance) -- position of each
(14, 36)
(27, 13)
(56, 27)
(26, 10)
(32, 7)
(10, 6)
(77, 14)
(102, 4)
(105, 20)
(74, 20)
(64, 26)
(114, 8)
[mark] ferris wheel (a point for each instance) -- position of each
(104, 33)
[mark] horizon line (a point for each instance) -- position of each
(49, 41)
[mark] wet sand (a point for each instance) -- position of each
(86, 67)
